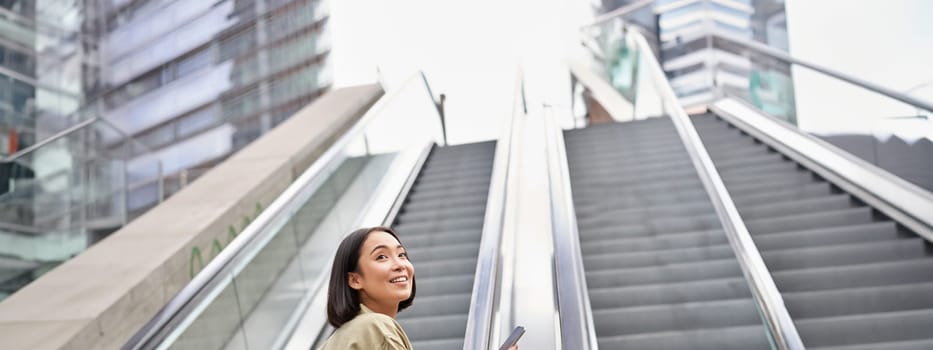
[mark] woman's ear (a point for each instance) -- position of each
(354, 280)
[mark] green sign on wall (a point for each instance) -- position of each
(196, 259)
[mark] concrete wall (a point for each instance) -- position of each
(102, 297)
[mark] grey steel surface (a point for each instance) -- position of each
(851, 278)
(441, 225)
(577, 326)
(659, 267)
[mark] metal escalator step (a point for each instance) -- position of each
(443, 285)
(851, 216)
(653, 227)
(445, 163)
(865, 300)
(635, 227)
(434, 327)
(760, 184)
(445, 252)
(796, 206)
(740, 153)
(442, 225)
(844, 254)
(430, 174)
(730, 338)
(671, 317)
(598, 193)
(699, 207)
(579, 161)
(597, 161)
(425, 239)
(655, 258)
(471, 182)
(764, 159)
(659, 242)
(443, 193)
(438, 305)
(451, 267)
(921, 344)
(635, 200)
(473, 209)
(849, 280)
(478, 198)
(878, 231)
(774, 167)
(658, 150)
(867, 328)
(727, 142)
(854, 276)
(693, 271)
(439, 344)
(787, 175)
(624, 179)
(818, 189)
(669, 293)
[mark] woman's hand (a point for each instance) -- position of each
(514, 347)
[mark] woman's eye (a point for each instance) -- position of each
(403, 255)
(381, 256)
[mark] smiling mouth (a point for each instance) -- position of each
(399, 279)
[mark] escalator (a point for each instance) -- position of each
(441, 224)
(850, 277)
(832, 252)
(659, 270)
(269, 289)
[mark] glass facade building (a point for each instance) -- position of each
(193, 81)
(109, 106)
(47, 69)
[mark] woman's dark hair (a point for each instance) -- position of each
(343, 302)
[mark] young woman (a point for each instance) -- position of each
(370, 282)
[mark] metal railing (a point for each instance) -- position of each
(577, 330)
(782, 56)
(782, 331)
(487, 280)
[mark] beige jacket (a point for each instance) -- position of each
(369, 330)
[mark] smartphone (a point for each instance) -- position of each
(513, 338)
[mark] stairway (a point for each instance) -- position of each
(440, 224)
(660, 272)
(850, 277)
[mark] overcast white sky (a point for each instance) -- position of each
(470, 49)
(887, 42)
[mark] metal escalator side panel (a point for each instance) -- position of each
(907, 203)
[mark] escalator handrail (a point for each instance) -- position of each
(783, 333)
(185, 302)
(904, 202)
(773, 53)
(782, 56)
(486, 281)
(577, 330)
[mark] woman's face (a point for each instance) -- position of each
(385, 274)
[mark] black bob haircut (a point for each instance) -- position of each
(343, 302)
